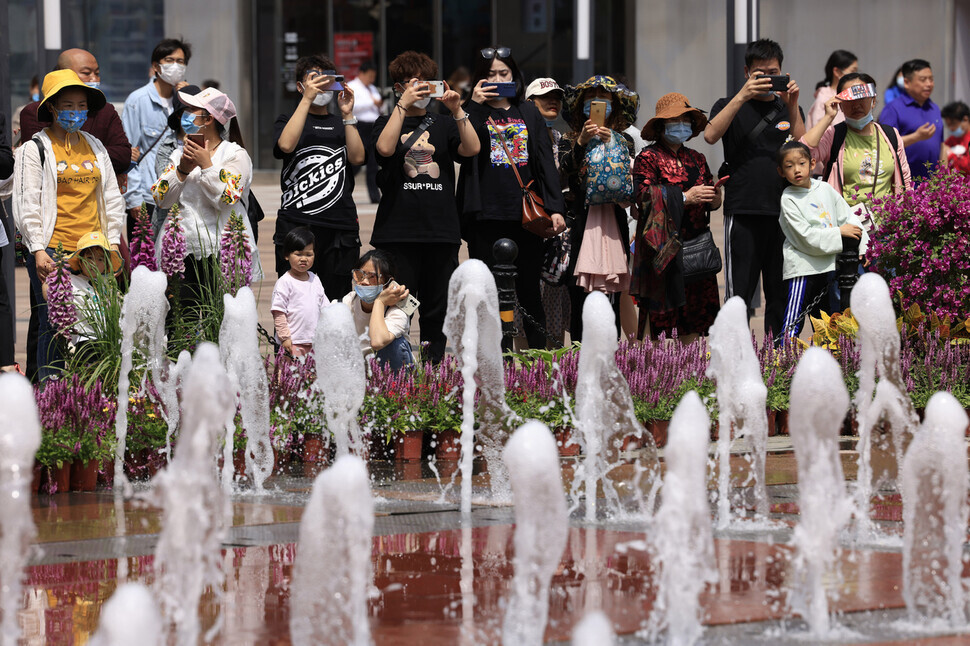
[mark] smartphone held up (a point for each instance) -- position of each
(597, 113)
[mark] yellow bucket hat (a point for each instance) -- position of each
(56, 81)
(95, 239)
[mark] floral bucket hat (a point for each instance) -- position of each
(627, 100)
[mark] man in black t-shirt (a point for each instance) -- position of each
(417, 218)
(753, 125)
(317, 149)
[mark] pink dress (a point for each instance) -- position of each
(601, 265)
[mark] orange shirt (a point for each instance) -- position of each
(78, 177)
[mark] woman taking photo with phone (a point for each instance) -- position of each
(417, 218)
(594, 163)
(687, 186)
(209, 178)
(489, 196)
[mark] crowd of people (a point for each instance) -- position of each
(629, 210)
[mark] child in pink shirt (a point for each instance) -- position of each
(298, 295)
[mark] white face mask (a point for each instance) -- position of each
(421, 104)
(171, 73)
(323, 99)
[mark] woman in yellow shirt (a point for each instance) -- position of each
(63, 188)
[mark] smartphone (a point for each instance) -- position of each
(198, 139)
(409, 304)
(597, 113)
(721, 182)
(779, 82)
(437, 89)
(503, 89)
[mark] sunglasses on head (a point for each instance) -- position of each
(502, 52)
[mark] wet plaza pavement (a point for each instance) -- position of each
(424, 556)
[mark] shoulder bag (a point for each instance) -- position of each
(534, 217)
(702, 258)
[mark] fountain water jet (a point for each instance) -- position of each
(819, 401)
(741, 399)
(239, 345)
(142, 323)
(332, 573)
(475, 333)
(604, 407)
(880, 351)
(933, 480)
(195, 508)
(130, 616)
(683, 543)
(594, 630)
(341, 380)
(19, 441)
(541, 530)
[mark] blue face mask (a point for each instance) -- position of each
(188, 123)
(586, 106)
(958, 132)
(93, 84)
(72, 120)
(550, 124)
(35, 96)
(677, 133)
(859, 124)
(368, 293)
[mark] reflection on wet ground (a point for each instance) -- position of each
(419, 549)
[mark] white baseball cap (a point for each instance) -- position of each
(542, 86)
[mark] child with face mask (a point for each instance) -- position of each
(93, 266)
(64, 187)
(382, 324)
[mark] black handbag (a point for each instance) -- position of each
(555, 258)
(702, 258)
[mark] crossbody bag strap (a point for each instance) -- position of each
(154, 143)
(768, 118)
(420, 130)
(501, 139)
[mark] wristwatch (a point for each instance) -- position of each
(351, 121)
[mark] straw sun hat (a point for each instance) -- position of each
(671, 106)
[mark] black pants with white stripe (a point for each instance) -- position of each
(753, 248)
(805, 291)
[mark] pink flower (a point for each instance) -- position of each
(142, 246)
(60, 297)
(235, 256)
(174, 249)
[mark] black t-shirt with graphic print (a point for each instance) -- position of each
(755, 186)
(418, 185)
(316, 180)
(501, 195)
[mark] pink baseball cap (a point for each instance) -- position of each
(212, 101)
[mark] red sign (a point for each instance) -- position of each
(350, 49)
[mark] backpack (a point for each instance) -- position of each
(838, 140)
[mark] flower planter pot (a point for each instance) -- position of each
(781, 421)
(316, 455)
(38, 479)
(84, 475)
(772, 422)
(632, 442)
(59, 478)
(239, 462)
(379, 448)
(407, 446)
(448, 445)
(658, 429)
(106, 476)
(568, 446)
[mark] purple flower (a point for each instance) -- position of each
(174, 249)
(142, 246)
(60, 298)
(235, 256)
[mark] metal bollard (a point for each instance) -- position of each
(504, 251)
